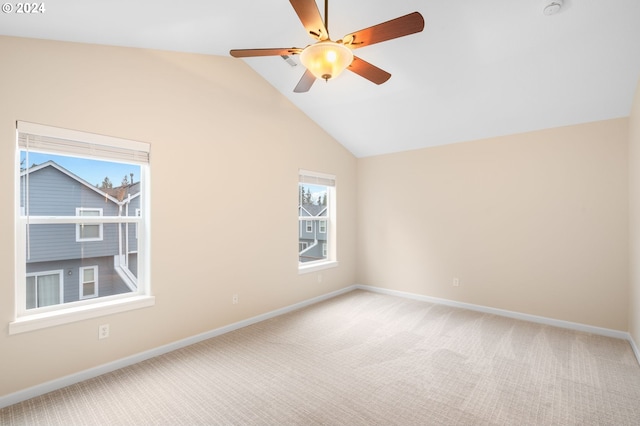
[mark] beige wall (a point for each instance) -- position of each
(634, 216)
(534, 223)
(225, 153)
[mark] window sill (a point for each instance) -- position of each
(50, 319)
(317, 267)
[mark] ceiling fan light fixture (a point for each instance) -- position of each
(326, 59)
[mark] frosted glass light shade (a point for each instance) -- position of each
(326, 59)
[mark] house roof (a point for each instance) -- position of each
(111, 194)
(313, 209)
(122, 191)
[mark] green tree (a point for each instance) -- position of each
(106, 183)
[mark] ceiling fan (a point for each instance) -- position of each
(325, 59)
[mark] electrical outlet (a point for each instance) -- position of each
(456, 282)
(103, 331)
(234, 299)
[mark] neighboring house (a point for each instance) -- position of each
(67, 262)
(312, 241)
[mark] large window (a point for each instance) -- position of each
(44, 289)
(316, 221)
(82, 226)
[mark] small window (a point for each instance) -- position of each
(88, 232)
(88, 282)
(316, 217)
(136, 225)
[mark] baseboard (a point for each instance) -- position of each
(62, 382)
(510, 314)
(636, 351)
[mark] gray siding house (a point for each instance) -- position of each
(76, 261)
(312, 241)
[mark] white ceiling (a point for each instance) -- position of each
(480, 68)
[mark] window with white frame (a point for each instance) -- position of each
(44, 289)
(77, 196)
(316, 220)
(88, 282)
(85, 231)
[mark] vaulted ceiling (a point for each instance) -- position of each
(479, 69)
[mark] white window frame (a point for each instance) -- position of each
(81, 283)
(322, 226)
(53, 140)
(309, 226)
(328, 180)
(59, 272)
(79, 226)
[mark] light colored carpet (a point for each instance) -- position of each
(364, 359)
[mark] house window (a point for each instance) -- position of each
(85, 231)
(44, 289)
(79, 197)
(88, 282)
(316, 218)
(136, 225)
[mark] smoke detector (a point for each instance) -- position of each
(553, 7)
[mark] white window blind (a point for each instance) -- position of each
(315, 178)
(49, 139)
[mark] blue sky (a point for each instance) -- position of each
(93, 171)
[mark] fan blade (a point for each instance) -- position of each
(305, 82)
(309, 15)
(247, 53)
(368, 71)
(399, 27)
